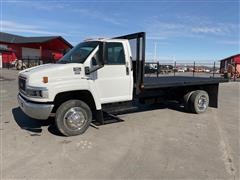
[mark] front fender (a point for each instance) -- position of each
(75, 85)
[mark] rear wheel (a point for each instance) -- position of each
(186, 103)
(73, 117)
(199, 101)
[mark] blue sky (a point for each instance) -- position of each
(180, 30)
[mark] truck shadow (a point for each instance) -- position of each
(172, 105)
(167, 105)
(33, 126)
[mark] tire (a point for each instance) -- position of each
(199, 101)
(73, 117)
(186, 104)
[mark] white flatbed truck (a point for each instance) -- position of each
(105, 75)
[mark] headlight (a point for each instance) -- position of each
(32, 92)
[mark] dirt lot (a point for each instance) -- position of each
(164, 143)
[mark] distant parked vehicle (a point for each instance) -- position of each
(199, 70)
(150, 69)
(180, 70)
(165, 69)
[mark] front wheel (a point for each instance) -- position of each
(73, 117)
(199, 101)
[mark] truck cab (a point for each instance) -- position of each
(99, 71)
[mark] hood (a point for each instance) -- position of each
(54, 72)
(39, 68)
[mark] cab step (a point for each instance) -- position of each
(110, 116)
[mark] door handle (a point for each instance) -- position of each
(127, 71)
(127, 68)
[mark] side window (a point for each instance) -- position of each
(115, 53)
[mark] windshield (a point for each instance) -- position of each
(79, 53)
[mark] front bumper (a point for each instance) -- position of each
(34, 110)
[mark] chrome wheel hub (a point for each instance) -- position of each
(202, 102)
(74, 118)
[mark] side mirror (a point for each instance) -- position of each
(87, 70)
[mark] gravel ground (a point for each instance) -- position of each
(163, 143)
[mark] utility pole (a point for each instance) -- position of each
(155, 52)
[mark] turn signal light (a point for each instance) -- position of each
(45, 79)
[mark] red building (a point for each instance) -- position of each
(231, 63)
(46, 48)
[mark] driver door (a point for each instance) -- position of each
(114, 81)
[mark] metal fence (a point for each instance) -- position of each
(182, 69)
(193, 68)
(28, 62)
